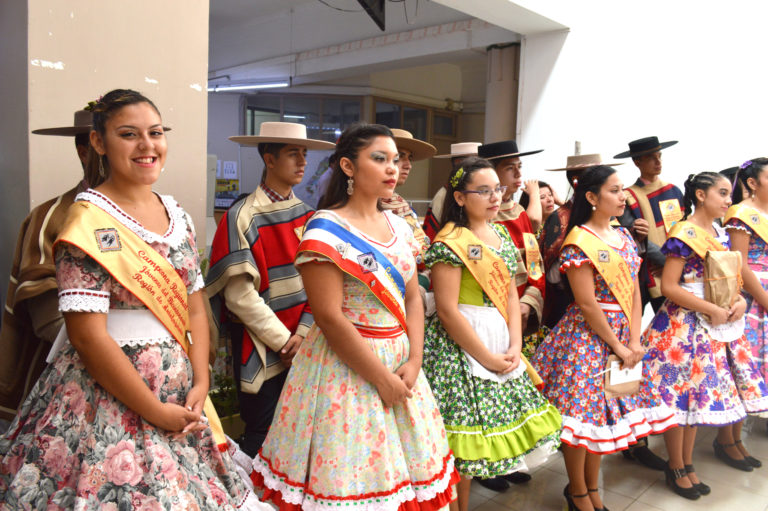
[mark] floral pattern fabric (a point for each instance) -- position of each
(73, 445)
(571, 358)
(332, 441)
(706, 382)
(493, 428)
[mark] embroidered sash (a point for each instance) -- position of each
(488, 269)
(142, 271)
(359, 259)
(532, 255)
(695, 237)
(611, 266)
(750, 216)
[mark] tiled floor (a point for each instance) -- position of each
(630, 486)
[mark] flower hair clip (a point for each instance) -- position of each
(457, 177)
(91, 106)
(746, 164)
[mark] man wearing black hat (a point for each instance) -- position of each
(654, 207)
(31, 318)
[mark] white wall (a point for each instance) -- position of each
(687, 71)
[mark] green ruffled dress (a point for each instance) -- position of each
(493, 427)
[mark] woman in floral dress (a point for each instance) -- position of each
(357, 425)
(115, 420)
(497, 422)
(690, 339)
(601, 264)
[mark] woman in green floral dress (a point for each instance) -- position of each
(497, 422)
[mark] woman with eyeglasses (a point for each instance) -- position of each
(497, 422)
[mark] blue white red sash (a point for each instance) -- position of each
(359, 259)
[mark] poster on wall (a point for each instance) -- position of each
(227, 184)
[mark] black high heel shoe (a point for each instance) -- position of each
(594, 490)
(723, 456)
(569, 498)
(750, 459)
(672, 475)
(701, 487)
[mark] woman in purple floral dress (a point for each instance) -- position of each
(115, 421)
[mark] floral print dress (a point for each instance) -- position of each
(706, 382)
(570, 359)
(73, 445)
(493, 427)
(332, 442)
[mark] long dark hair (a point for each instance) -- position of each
(354, 139)
(458, 182)
(109, 104)
(702, 181)
(590, 180)
(751, 168)
(525, 199)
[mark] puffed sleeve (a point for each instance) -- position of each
(84, 286)
(573, 257)
(192, 260)
(737, 224)
(439, 253)
(674, 247)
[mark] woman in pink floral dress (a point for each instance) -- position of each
(115, 420)
(357, 425)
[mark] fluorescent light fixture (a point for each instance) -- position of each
(247, 86)
(295, 116)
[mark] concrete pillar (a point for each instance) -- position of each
(501, 92)
(56, 56)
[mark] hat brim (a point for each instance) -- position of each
(419, 149)
(586, 166)
(460, 155)
(630, 154)
(512, 155)
(309, 143)
(70, 131)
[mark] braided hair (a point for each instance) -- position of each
(702, 181)
(749, 169)
(458, 182)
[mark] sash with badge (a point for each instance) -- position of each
(142, 271)
(489, 270)
(359, 259)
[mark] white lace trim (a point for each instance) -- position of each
(617, 437)
(757, 406)
(295, 495)
(199, 283)
(710, 418)
(174, 237)
(82, 300)
(738, 227)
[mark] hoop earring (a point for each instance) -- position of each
(101, 166)
(350, 186)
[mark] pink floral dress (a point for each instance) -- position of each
(73, 445)
(332, 441)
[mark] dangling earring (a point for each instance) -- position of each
(350, 186)
(101, 166)
(162, 169)
(594, 208)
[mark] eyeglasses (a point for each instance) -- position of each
(486, 192)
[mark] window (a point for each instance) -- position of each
(325, 117)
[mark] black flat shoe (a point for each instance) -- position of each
(647, 457)
(723, 456)
(594, 490)
(701, 487)
(672, 475)
(756, 463)
(569, 499)
(517, 477)
(493, 483)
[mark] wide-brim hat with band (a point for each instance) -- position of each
(419, 149)
(461, 149)
(282, 133)
(583, 161)
(643, 146)
(83, 124)
(504, 149)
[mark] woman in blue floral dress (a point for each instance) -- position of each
(604, 319)
(115, 422)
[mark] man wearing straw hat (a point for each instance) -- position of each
(31, 318)
(459, 153)
(255, 290)
(654, 207)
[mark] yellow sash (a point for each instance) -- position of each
(142, 271)
(611, 266)
(750, 216)
(489, 270)
(670, 213)
(696, 238)
(532, 255)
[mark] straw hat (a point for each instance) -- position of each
(461, 149)
(505, 149)
(418, 148)
(643, 146)
(83, 124)
(282, 133)
(583, 161)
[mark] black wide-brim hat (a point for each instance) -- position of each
(643, 146)
(505, 149)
